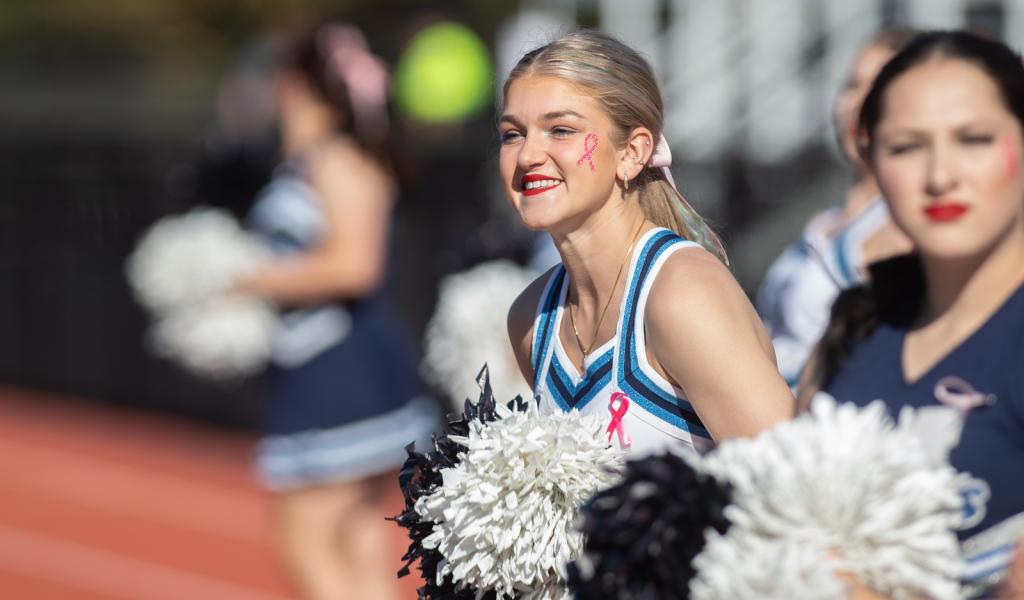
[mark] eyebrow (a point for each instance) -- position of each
(557, 114)
(562, 113)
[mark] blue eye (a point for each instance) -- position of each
(562, 132)
(509, 136)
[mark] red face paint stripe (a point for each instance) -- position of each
(1012, 157)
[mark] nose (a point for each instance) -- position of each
(941, 176)
(532, 152)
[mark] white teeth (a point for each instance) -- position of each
(532, 185)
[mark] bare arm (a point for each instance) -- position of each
(705, 334)
(349, 262)
(520, 324)
(809, 383)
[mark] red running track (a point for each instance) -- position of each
(103, 504)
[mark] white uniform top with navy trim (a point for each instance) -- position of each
(658, 415)
(798, 290)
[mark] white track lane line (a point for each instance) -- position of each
(170, 500)
(110, 573)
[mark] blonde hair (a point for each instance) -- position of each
(622, 82)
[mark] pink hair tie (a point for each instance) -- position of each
(365, 77)
(662, 159)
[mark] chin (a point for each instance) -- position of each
(538, 218)
(955, 249)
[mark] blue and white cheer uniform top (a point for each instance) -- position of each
(798, 290)
(658, 415)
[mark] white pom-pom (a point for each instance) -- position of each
(179, 271)
(226, 338)
(190, 257)
(504, 516)
(469, 327)
(742, 566)
(847, 480)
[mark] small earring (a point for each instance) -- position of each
(625, 182)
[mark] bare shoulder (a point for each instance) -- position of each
(520, 321)
(703, 331)
(692, 278)
(695, 293)
(342, 166)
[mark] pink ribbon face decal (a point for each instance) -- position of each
(589, 145)
(618, 406)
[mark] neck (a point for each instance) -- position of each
(594, 253)
(959, 290)
(301, 130)
(863, 190)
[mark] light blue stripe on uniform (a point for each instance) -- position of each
(545, 325)
(628, 341)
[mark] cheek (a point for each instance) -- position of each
(590, 143)
(507, 165)
(1011, 157)
(900, 180)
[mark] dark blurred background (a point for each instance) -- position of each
(113, 115)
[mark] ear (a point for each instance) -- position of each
(636, 154)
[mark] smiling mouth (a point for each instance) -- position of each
(538, 184)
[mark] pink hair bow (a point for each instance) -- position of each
(365, 76)
(662, 159)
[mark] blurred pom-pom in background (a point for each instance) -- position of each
(492, 510)
(224, 338)
(469, 326)
(180, 273)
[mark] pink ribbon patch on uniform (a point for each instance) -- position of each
(618, 406)
(955, 392)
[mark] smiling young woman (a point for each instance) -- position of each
(943, 124)
(682, 359)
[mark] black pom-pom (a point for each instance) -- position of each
(643, 533)
(421, 475)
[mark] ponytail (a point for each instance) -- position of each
(663, 205)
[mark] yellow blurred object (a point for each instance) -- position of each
(444, 76)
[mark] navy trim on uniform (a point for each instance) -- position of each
(541, 339)
(571, 396)
(654, 399)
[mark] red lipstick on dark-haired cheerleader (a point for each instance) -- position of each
(945, 211)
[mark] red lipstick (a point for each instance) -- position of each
(949, 211)
(534, 178)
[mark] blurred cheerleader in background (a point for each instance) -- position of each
(344, 397)
(942, 329)
(837, 245)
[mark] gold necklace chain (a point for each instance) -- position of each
(572, 317)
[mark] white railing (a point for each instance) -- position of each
(757, 77)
